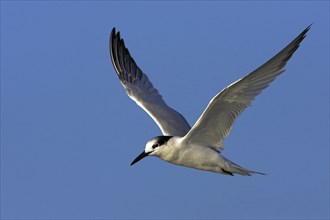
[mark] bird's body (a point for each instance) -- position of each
(175, 150)
(201, 145)
(199, 157)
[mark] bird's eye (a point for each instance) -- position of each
(155, 145)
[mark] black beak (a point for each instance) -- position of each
(140, 157)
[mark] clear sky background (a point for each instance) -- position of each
(69, 132)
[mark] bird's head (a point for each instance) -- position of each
(153, 147)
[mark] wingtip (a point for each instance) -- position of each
(112, 34)
(309, 26)
(295, 44)
(304, 32)
(264, 174)
(113, 41)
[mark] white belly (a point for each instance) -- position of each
(202, 158)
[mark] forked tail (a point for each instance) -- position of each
(232, 168)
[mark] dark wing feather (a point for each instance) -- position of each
(140, 89)
(219, 116)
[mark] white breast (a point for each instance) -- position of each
(198, 157)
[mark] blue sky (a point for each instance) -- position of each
(69, 132)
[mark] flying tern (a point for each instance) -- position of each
(201, 145)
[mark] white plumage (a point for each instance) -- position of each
(198, 147)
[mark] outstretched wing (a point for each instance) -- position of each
(218, 118)
(140, 89)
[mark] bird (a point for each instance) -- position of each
(200, 146)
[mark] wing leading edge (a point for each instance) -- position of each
(219, 116)
(139, 88)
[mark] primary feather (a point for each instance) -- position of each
(219, 116)
(140, 89)
(198, 147)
